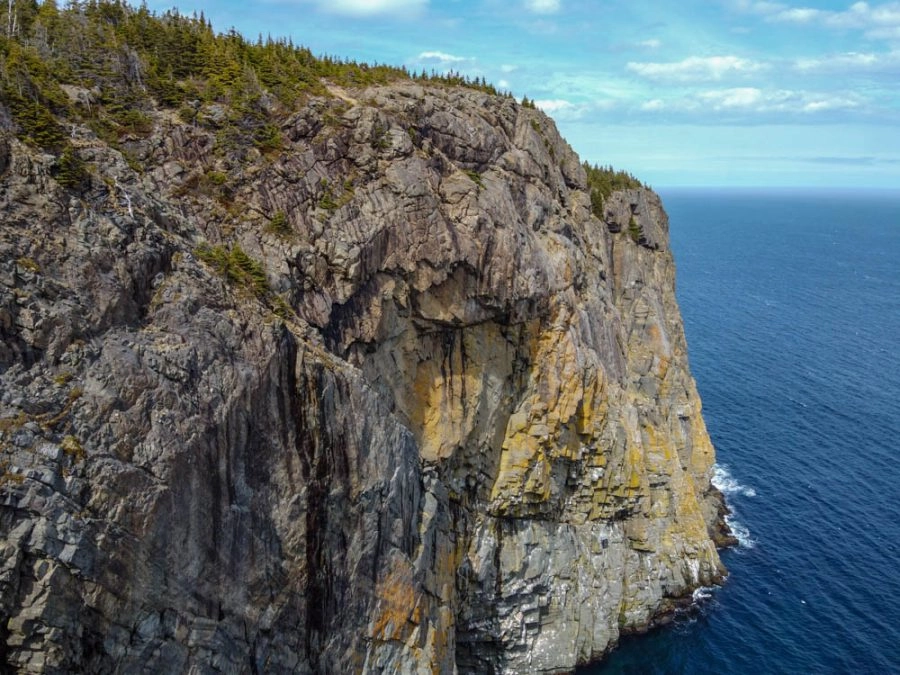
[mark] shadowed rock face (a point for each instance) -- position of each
(457, 432)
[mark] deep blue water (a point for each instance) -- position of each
(791, 305)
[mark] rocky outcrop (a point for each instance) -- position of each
(390, 399)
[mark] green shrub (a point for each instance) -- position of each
(326, 199)
(237, 267)
(279, 224)
(268, 138)
(71, 171)
(635, 231)
(216, 178)
(476, 178)
(139, 60)
(603, 181)
(37, 123)
(134, 122)
(380, 139)
(187, 114)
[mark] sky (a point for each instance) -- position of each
(687, 93)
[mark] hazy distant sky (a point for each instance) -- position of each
(684, 92)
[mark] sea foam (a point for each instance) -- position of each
(728, 484)
(702, 594)
(740, 532)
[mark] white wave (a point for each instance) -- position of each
(728, 484)
(740, 532)
(702, 593)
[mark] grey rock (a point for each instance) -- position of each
(457, 433)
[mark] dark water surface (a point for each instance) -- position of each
(791, 304)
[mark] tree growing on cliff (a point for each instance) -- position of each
(603, 181)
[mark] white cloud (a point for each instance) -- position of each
(830, 103)
(739, 97)
(758, 7)
(606, 105)
(696, 68)
(797, 15)
(652, 43)
(561, 109)
(850, 60)
(754, 101)
(508, 68)
(592, 85)
(542, 6)
(767, 6)
(863, 15)
(853, 64)
(551, 106)
(372, 7)
(888, 33)
(881, 21)
(503, 84)
(751, 99)
(441, 57)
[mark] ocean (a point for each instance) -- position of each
(791, 305)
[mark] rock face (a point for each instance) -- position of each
(452, 429)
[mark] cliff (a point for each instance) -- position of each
(388, 399)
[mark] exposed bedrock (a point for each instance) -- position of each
(449, 424)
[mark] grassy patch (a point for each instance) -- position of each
(13, 423)
(635, 231)
(73, 448)
(279, 224)
(330, 200)
(29, 264)
(63, 378)
(7, 476)
(476, 178)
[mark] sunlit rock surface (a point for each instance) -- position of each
(456, 430)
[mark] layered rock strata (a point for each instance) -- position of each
(388, 400)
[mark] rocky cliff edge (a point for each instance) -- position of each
(390, 399)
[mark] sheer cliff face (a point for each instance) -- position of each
(456, 431)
